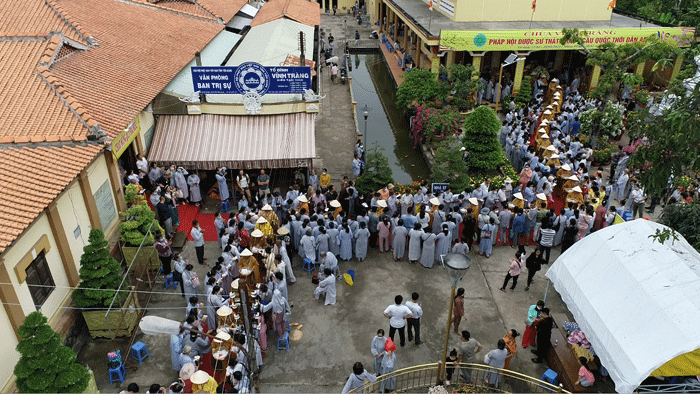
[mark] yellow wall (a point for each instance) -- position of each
(521, 10)
(9, 355)
(97, 175)
(146, 121)
(73, 213)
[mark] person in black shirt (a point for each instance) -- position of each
(544, 335)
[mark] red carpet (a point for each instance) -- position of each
(188, 213)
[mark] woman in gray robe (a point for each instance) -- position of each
(345, 242)
(362, 238)
(180, 182)
(308, 246)
(388, 366)
(322, 243)
(443, 242)
(414, 238)
(427, 258)
(333, 238)
(398, 241)
(214, 302)
(377, 348)
(195, 193)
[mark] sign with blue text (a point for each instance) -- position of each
(251, 77)
(439, 187)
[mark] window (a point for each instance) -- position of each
(39, 280)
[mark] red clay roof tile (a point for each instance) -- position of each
(302, 11)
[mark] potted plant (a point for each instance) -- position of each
(101, 276)
(642, 97)
(137, 229)
(46, 365)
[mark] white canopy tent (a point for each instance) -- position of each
(637, 301)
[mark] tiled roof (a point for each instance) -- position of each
(32, 111)
(224, 9)
(137, 56)
(187, 7)
(30, 178)
(302, 11)
(35, 18)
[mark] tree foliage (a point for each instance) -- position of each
(46, 365)
(676, 12)
(98, 270)
(463, 81)
(685, 219)
(673, 143)
(419, 85)
(481, 129)
(449, 166)
(134, 229)
(524, 95)
(377, 171)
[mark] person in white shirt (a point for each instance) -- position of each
(638, 198)
(397, 315)
(142, 165)
(197, 235)
(414, 321)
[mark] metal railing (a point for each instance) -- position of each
(481, 377)
(669, 388)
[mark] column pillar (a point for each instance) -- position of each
(418, 54)
(639, 70)
(59, 234)
(10, 301)
(89, 199)
(114, 181)
(450, 58)
(406, 32)
(594, 79)
(518, 78)
(476, 62)
(677, 66)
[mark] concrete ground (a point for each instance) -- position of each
(337, 336)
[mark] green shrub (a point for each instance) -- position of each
(449, 166)
(98, 270)
(377, 171)
(684, 218)
(481, 129)
(419, 85)
(138, 220)
(525, 94)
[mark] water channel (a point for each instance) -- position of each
(373, 86)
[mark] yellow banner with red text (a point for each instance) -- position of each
(538, 40)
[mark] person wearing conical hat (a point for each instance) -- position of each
(564, 172)
(570, 182)
(269, 214)
(518, 200)
(542, 200)
(303, 204)
(337, 208)
(548, 114)
(381, 207)
(258, 239)
(249, 262)
(264, 226)
(575, 195)
(549, 151)
(203, 383)
(553, 160)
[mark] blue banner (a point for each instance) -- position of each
(251, 77)
(439, 188)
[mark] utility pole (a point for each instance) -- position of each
(302, 57)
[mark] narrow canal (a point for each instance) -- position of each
(373, 87)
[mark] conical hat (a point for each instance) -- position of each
(246, 253)
(518, 195)
(334, 204)
(545, 136)
(547, 112)
(381, 203)
(552, 148)
(199, 377)
(566, 167)
(224, 311)
(261, 220)
(573, 178)
(577, 189)
(541, 196)
(283, 231)
(549, 107)
(508, 180)
(554, 156)
(544, 121)
(302, 198)
(223, 335)
(473, 201)
(256, 234)
(267, 207)
(435, 201)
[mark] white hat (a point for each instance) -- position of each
(381, 203)
(186, 371)
(267, 207)
(545, 136)
(554, 156)
(199, 377)
(223, 335)
(435, 201)
(577, 189)
(334, 204)
(542, 129)
(519, 196)
(256, 234)
(364, 204)
(282, 231)
(541, 196)
(547, 112)
(462, 149)
(261, 220)
(573, 178)
(511, 205)
(473, 201)
(508, 180)
(544, 121)
(549, 107)
(566, 167)
(552, 148)
(302, 198)
(246, 253)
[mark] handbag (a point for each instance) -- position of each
(485, 234)
(195, 280)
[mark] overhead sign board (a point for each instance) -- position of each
(436, 188)
(537, 40)
(251, 78)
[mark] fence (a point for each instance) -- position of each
(482, 378)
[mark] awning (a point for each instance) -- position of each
(248, 142)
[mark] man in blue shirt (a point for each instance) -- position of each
(518, 228)
(575, 125)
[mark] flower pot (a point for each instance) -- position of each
(120, 321)
(145, 259)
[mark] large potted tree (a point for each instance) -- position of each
(101, 276)
(46, 365)
(136, 232)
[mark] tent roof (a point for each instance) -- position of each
(636, 300)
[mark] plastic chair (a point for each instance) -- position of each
(550, 377)
(283, 342)
(170, 282)
(117, 374)
(138, 350)
(309, 265)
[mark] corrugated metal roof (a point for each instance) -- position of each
(270, 43)
(255, 141)
(239, 22)
(212, 55)
(248, 10)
